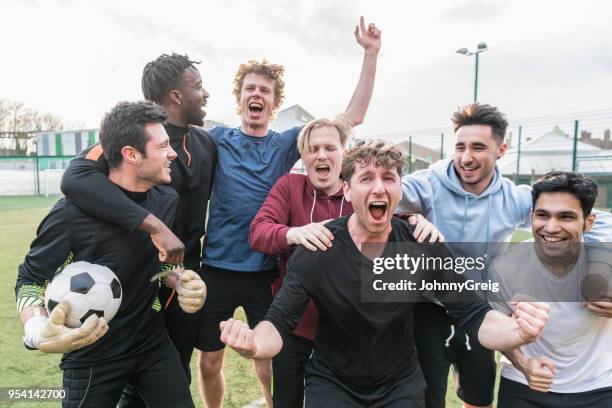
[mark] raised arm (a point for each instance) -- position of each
(369, 38)
(85, 182)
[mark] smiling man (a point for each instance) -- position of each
(137, 348)
(570, 365)
(174, 83)
(364, 353)
(469, 201)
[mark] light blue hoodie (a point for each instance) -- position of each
(492, 216)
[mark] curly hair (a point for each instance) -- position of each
(162, 75)
(363, 156)
(124, 126)
(481, 114)
(274, 72)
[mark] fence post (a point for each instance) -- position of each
(409, 154)
(518, 156)
(575, 153)
(37, 175)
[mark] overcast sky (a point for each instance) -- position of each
(75, 59)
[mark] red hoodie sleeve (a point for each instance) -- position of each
(268, 231)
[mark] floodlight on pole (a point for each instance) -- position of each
(481, 47)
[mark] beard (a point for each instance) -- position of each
(194, 117)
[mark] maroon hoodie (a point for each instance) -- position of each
(291, 203)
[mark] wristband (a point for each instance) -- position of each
(32, 329)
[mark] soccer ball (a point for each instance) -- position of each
(90, 289)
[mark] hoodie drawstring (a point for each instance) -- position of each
(452, 334)
(447, 341)
(488, 218)
(464, 219)
(314, 201)
(186, 150)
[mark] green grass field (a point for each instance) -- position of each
(19, 217)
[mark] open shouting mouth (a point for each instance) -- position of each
(378, 209)
(256, 107)
(322, 170)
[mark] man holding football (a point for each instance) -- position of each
(97, 366)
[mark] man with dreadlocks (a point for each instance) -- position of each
(251, 159)
(173, 82)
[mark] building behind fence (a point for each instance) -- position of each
(33, 163)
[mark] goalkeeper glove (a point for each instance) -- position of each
(50, 334)
(191, 291)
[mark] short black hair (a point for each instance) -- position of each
(162, 75)
(481, 114)
(581, 187)
(124, 126)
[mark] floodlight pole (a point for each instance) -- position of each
(481, 47)
(476, 80)
(575, 149)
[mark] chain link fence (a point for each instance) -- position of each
(32, 175)
(32, 163)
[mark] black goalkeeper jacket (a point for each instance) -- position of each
(69, 233)
(85, 183)
(363, 344)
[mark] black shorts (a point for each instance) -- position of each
(323, 389)
(226, 291)
(288, 372)
(439, 346)
(157, 376)
(182, 327)
(513, 394)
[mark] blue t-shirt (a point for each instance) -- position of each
(247, 168)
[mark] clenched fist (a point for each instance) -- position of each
(191, 291)
(531, 317)
(238, 336)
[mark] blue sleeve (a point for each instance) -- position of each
(289, 146)
(602, 228)
(524, 205)
(216, 133)
(416, 194)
